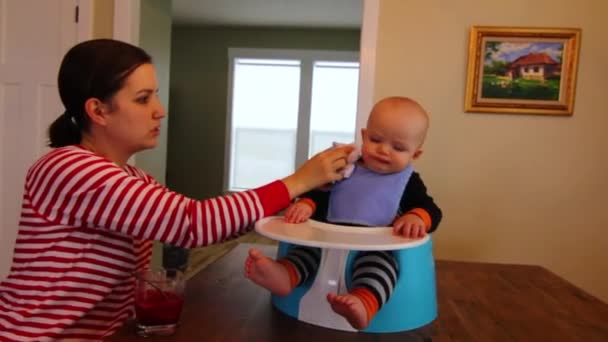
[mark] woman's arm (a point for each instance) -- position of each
(77, 188)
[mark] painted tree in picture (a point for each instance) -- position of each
(522, 70)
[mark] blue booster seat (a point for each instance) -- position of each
(413, 303)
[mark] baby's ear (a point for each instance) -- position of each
(417, 154)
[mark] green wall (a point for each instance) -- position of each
(155, 38)
(199, 81)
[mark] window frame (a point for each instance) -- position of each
(307, 59)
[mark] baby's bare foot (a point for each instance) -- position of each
(349, 307)
(267, 273)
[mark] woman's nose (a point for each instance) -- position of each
(159, 111)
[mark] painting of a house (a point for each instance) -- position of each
(522, 70)
(534, 66)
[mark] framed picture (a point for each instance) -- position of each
(522, 70)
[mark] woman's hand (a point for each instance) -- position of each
(323, 168)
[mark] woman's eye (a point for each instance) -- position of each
(143, 100)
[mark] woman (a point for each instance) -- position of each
(88, 218)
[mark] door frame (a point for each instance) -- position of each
(84, 26)
(126, 28)
(126, 21)
(367, 64)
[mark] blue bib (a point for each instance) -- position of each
(367, 198)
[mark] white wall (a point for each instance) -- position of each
(514, 188)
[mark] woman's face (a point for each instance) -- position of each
(135, 117)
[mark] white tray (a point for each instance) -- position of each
(318, 234)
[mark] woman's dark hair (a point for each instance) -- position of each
(91, 69)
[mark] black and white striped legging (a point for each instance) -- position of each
(376, 271)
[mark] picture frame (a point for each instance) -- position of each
(522, 70)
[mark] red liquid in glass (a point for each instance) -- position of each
(154, 308)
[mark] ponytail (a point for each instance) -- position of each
(64, 131)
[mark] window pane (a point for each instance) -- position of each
(334, 104)
(264, 121)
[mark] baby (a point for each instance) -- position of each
(383, 190)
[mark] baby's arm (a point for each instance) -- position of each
(418, 212)
(410, 225)
(319, 203)
(315, 203)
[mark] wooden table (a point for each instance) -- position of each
(477, 302)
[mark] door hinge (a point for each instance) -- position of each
(76, 13)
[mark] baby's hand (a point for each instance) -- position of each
(409, 226)
(298, 213)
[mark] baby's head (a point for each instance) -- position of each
(395, 131)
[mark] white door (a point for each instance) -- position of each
(34, 35)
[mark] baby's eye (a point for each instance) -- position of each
(375, 139)
(400, 148)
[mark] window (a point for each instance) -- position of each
(283, 107)
(334, 104)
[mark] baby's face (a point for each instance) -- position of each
(391, 141)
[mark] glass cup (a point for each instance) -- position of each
(159, 297)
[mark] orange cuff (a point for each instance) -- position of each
(294, 278)
(368, 299)
(423, 214)
(309, 202)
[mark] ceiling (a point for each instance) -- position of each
(281, 13)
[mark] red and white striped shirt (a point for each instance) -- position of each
(86, 225)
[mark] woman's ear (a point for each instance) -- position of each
(95, 110)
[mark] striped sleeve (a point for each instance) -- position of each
(74, 187)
